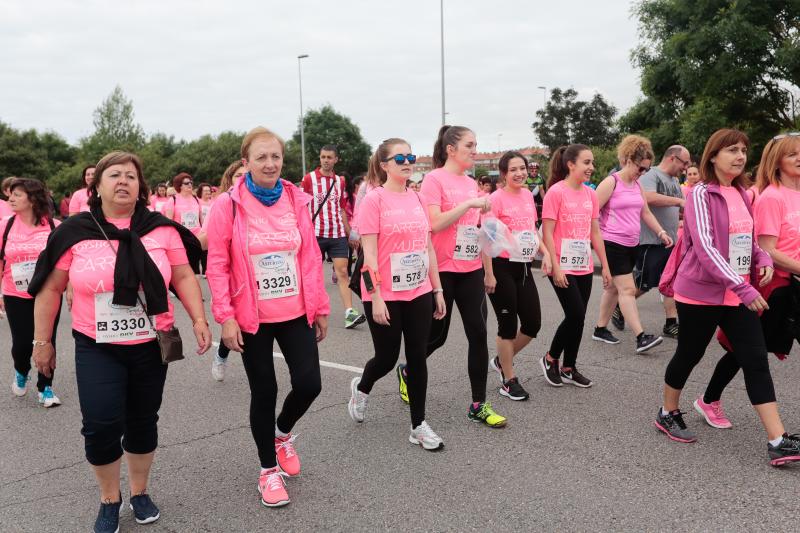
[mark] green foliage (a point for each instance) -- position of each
(566, 120)
(205, 158)
(481, 172)
(708, 64)
(33, 155)
(114, 128)
(605, 159)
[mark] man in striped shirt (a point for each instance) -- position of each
(331, 224)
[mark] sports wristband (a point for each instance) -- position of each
(40, 343)
(438, 290)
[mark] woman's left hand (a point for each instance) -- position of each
(321, 325)
(547, 266)
(203, 336)
(667, 240)
(606, 275)
(766, 275)
(441, 309)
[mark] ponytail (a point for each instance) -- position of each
(448, 136)
(375, 174)
(559, 169)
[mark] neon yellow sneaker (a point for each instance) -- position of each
(484, 413)
(402, 383)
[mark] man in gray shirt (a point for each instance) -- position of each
(665, 199)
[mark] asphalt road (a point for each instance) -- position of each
(569, 459)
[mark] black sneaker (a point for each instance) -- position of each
(576, 378)
(788, 451)
(673, 426)
(617, 319)
(144, 510)
(550, 372)
(108, 517)
(494, 363)
(603, 335)
(644, 342)
(513, 390)
(670, 331)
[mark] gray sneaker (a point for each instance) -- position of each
(358, 401)
(673, 426)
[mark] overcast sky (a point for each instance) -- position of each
(197, 67)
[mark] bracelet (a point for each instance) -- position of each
(660, 232)
(438, 290)
(196, 320)
(40, 343)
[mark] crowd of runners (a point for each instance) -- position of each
(722, 249)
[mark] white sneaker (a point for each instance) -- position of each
(218, 367)
(425, 437)
(48, 399)
(20, 384)
(358, 401)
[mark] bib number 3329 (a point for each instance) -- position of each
(276, 275)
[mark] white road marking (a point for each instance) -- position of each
(329, 364)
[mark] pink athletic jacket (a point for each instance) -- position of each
(230, 273)
(705, 272)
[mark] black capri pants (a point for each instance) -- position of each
(120, 388)
(515, 295)
(20, 322)
(743, 329)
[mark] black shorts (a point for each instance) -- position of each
(650, 265)
(621, 259)
(335, 248)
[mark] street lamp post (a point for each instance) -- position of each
(544, 96)
(441, 33)
(302, 125)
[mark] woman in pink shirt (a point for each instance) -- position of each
(715, 287)
(117, 358)
(622, 210)
(206, 201)
(265, 276)
(569, 231)
(22, 237)
(454, 209)
(509, 280)
(692, 177)
(184, 208)
(398, 278)
(79, 202)
(159, 199)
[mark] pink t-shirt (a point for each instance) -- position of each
(205, 208)
(518, 212)
(457, 248)
(23, 246)
(573, 211)
(79, 201)
(777, 214)
(620, 218)
(90, 265)
(273, 242)
(5, 210)
(186, 212)
(740, 231)
(157, 203)
(401, 223)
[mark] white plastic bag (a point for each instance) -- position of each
(495, 237)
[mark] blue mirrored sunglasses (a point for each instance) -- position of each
(400, 159)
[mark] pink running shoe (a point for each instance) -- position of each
(287, 455)
(272, 488)
(713, 413)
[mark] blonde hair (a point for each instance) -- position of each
(256, 133)
(769, 171)
(634, 148)
(227, 178)
(375, 174)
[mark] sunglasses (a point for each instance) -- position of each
(401, 159)
(784, 135)
(186, 183)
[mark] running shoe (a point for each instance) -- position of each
(401, 382)
(788, 451)
(713, 413)
(108, 517)
(218, 367)
(272, 488)
(673, 426)
(287, 456)
(494, 363)
(425, 437)
(617, 319)
(144, 510)
(646, 341)
(352, 318)
(484, 413)
(48, 399)
(574, 377)
(550, 372)
(670, 331)
(358, 401)
(603, 335)
(513, 390)
(20, 384)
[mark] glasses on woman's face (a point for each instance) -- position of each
(401, 159)
(186, 183)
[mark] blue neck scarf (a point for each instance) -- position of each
(268, 197)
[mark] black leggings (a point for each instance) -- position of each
(515, 295)
(410, 322)
(20, 322)
(467, 291)
(573, 299)
(298, 343)
(743, 329)
(204, 261)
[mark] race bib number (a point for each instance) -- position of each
(527, 246)
(409, 270)
(189, 220)
(21, 274)
(119, 323)
(575, 255)
(467, 247)
(740, 248)
(276, 275)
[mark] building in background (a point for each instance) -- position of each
(486, 160)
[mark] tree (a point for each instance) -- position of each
(205, 158)
(326, 126)
(115, 128)
(566, 120)
(30, 154)
(708, 64)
